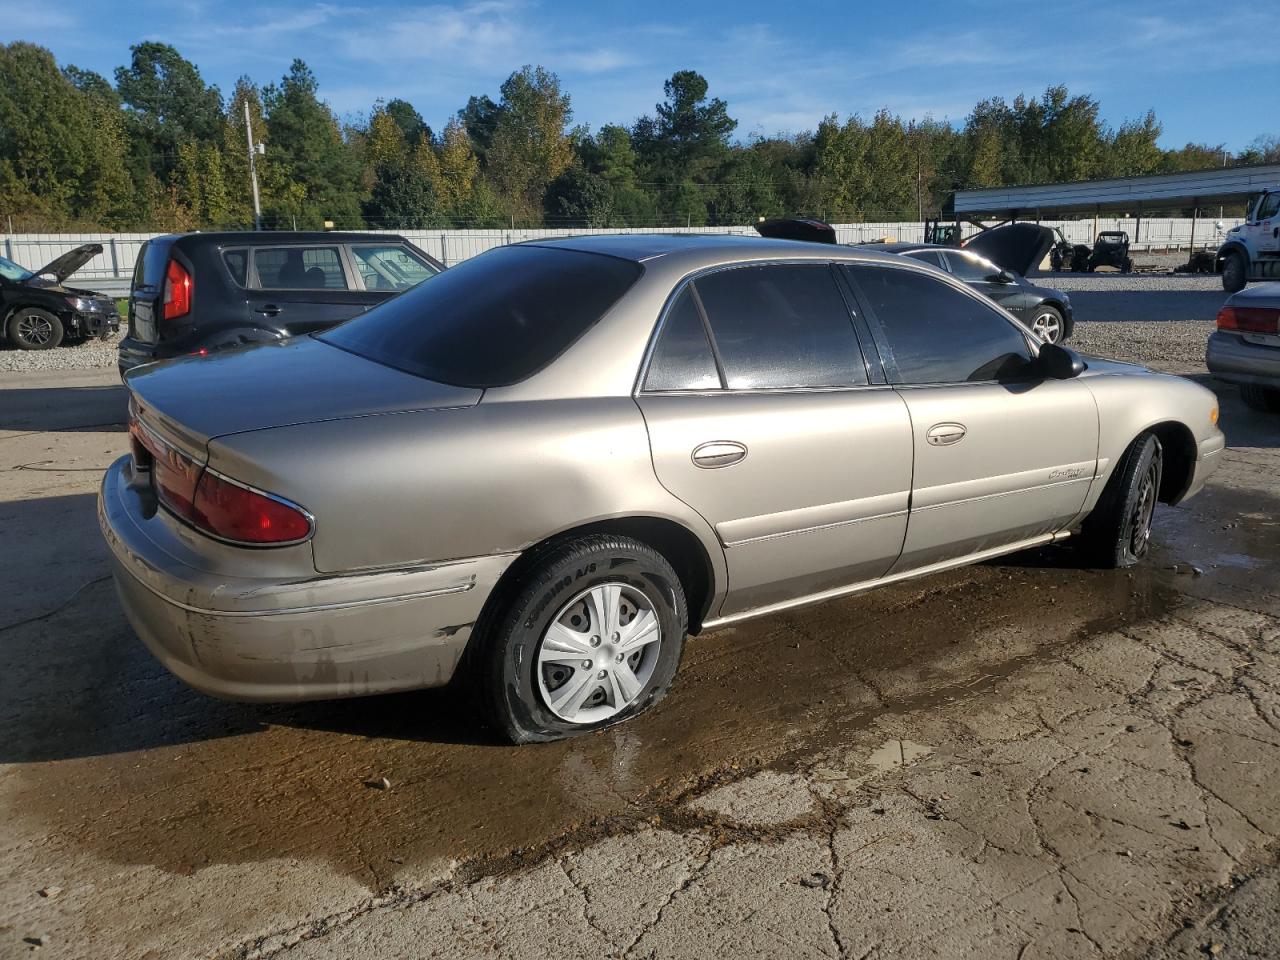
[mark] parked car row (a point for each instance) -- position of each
(546, 466)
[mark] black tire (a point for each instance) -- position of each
(1127, 267)
(1235, 272)
(1265, 399)
(31, 328)
(1117, 533)
(549, 583)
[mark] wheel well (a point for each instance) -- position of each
(681, 548)
(1179, 447)
(1223, 252)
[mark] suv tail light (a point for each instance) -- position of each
(218, 505)
(1250, 319)
(177, 291)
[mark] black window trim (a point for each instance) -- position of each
(724, 390)
(892, 373)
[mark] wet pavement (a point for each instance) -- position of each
(174, 824)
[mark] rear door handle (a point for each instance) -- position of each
(945, 434)
(267, 310)
(718, 453)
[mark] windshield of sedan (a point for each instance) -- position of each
(11, 271)
(493, 320)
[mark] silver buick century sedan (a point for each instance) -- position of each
(545, 467)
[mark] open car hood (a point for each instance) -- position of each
(64, 266)
(1018, 247)
(797, 228)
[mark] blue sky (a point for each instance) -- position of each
(780, 66)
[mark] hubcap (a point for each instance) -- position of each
(1046, 327)
(598, 653)
(1144, 508)
(35, 329)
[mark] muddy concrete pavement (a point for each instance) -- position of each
(1022, 759)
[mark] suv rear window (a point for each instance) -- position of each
(493, 320)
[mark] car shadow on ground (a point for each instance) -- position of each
(55, 409)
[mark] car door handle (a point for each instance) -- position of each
(718, 453)
(945, 434)
(267, 310)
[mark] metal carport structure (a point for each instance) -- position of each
(1164, 191)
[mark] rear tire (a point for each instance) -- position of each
(559, 661)
(1235, 273)
(1265, 399)
(31, 328)
(1117, 533)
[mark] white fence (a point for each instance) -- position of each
(111, 270)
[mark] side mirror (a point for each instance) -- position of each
(1056, 362)
(1004, 276)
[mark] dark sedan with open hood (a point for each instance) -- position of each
(39, 311)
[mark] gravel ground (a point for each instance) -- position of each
(1176, 342)
(83, 356)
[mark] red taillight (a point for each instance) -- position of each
(173, 475)
(177, 291)
(1249, 319)
(234, 512)
(211, 502)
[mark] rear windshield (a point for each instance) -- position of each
(492, 320)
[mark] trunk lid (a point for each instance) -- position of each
(1018, 247)
(64, 266)
(300, 380)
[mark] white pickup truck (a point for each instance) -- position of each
(1251, 251)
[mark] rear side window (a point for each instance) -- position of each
(299, 268)
(494, 319)
(782, 326)
(933, 333)
(390, 267)
(237, 262)
(682, 358)
(929, 257)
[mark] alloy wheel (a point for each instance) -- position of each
(1144, 508)
(1047, 327)
(35, 329)
(598, 652)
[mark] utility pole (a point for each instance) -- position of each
(254, 150)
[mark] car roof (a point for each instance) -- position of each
(256, 237)
(694, 250)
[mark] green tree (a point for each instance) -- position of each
(480, 119)
(530, 146)
(580, 198)
(307, 145)
(166, 103)
(61, 149)
(410, 122)
(840, 167)
(1132, 150)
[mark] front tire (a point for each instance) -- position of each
(1047, 324)
(1264, 399)
(31, 328)
(589, 634)
(1117, 533)
(1235, 273)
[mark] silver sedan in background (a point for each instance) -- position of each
(547, 466)
(1245, 349)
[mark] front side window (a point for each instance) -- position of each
(390, 267)
(934, 333)
(971, 269)
(1270, 206)
(493, 320)
(682, 357)
(299, 268)
(782, 326)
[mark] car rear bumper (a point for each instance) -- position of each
(280, 638)
(1232, 358)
